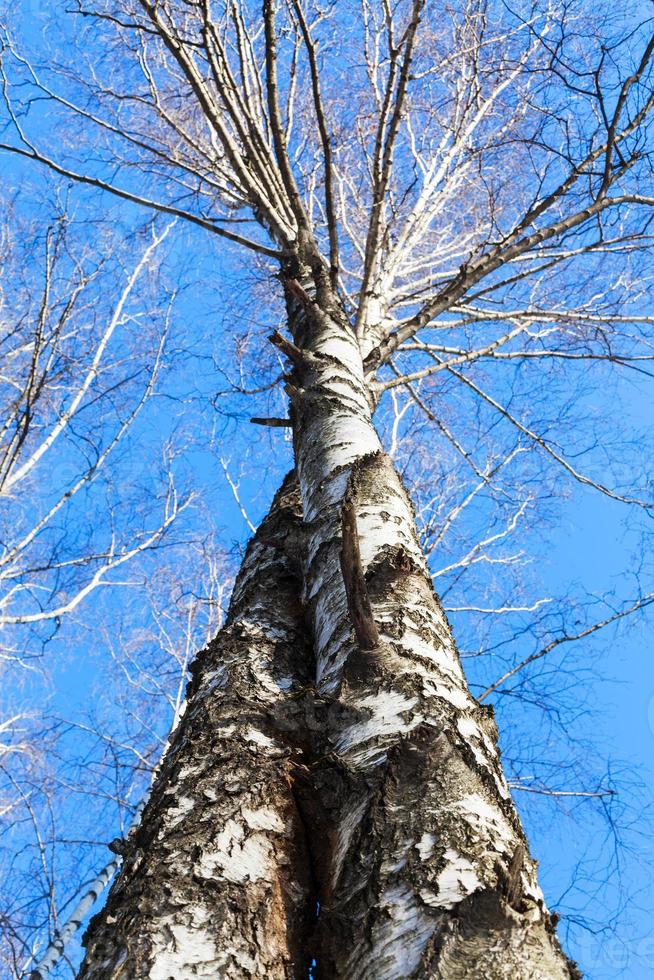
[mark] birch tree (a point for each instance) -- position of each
(477, 194)
(57, 363)
(77, 372)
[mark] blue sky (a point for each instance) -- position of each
(590, 545)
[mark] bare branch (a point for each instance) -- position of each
(641, 603)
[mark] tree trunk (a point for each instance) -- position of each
(422, 862)
(216, 880)
(416, 850)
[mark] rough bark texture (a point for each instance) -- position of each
(216, 881)
(364, 774)
(423, 866)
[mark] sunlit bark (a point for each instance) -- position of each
(216, 880)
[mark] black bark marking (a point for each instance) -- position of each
(513, 879)
(273, 423)
(356, 590)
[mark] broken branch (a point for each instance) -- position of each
(355, 584)
(273, 423)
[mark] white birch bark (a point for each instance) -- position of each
(215, 881)
(423, 866)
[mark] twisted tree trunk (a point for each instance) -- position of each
(376, 790)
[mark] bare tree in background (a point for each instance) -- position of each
(73, 767)
(76, 374)
(56, 363)
(477, 195)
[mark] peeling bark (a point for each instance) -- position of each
(423, 866)
(216, 880)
